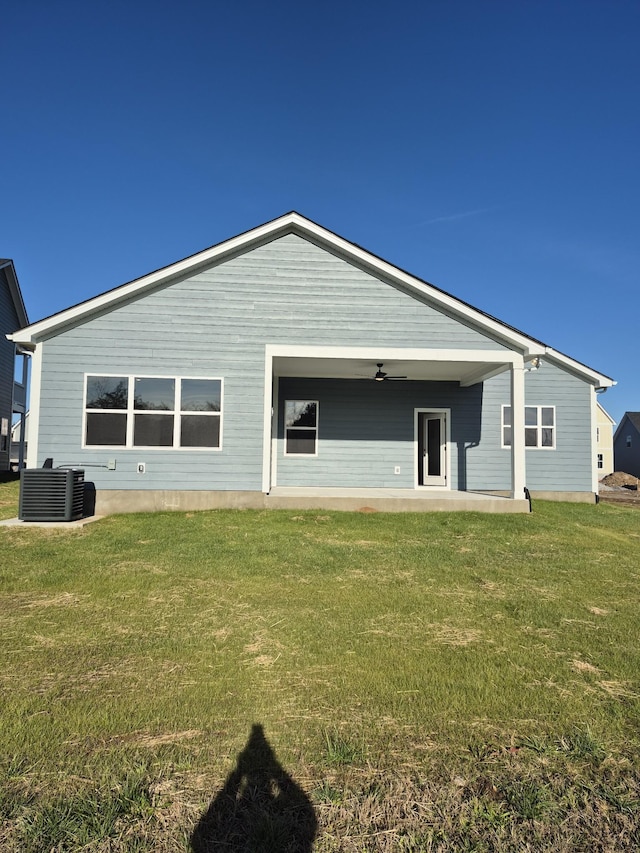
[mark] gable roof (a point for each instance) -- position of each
(6, 265)
(295, 223)
(634, 420)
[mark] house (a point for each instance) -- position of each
(289, 367)
(626, 444)
(13, 365)
(19, 440)
(604, 442)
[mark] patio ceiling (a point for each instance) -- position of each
(465, 372)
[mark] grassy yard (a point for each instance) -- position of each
(391, 682)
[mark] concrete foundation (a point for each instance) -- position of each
(348, 500)
(568, 497)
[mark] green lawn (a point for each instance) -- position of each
(483, 668)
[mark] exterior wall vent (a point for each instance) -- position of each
(51, 494)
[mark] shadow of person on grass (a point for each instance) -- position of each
(260, 809)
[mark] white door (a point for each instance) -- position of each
(432, 448)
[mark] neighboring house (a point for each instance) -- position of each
(13, 366)
(626, 444)
(19, 440)
(604, 442)
(290, 364)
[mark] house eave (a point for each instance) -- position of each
(297, 224)
(599, 380)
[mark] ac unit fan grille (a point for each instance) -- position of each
(51, 494)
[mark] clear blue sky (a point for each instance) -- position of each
(491, 147)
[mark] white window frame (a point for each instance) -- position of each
(130, 412)
(314, 429)
(538, 427)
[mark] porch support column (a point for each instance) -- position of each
(268, 416)
(34, 406)
(23, 413)
(23, 424)
(518, 463)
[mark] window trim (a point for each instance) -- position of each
(314, 429)
(130, 413)
(538, 426)
(600, 461)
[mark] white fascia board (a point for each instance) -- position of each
(391, 353)
(597, 379)
(295, 223)
(290, 222)
(531, 347)
(22, 348)
(33, 333)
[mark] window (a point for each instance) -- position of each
(301, 427)
(506, 426)
(539, 427)
(19, 365)
(106, 402)
(628, 441)
(600, 460)
(597, 435)
(153, 411)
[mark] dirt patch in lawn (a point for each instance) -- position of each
(620, 478)
(621, 498)
(621, 489)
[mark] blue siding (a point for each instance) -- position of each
(289, 291)
(568, 467)
(216, 323)
(366, 429)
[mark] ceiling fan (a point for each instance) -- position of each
(381, 376)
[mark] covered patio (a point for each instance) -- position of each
(458, 368)
(390, 500)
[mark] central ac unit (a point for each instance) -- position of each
(51, 494)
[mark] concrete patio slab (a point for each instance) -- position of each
(60, 525)
(390, 500)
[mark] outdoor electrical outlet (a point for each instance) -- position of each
(396, 470)
(141, 467)
(111, 465)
